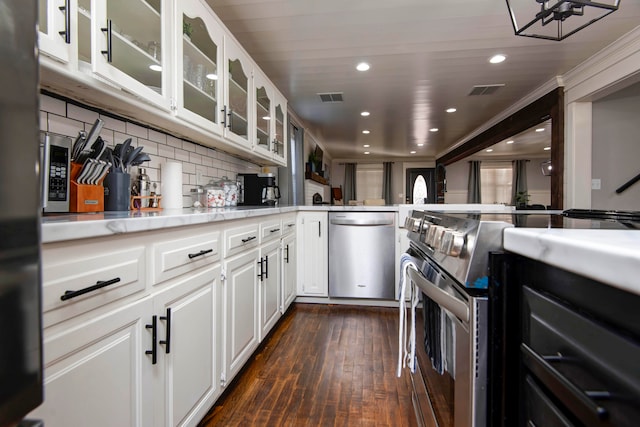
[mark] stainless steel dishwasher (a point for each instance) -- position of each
(362, 255)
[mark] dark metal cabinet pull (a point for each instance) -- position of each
(99, 285)
(109, 51)
(224, 116)
(66, 34)
(266, 268)
(319, 229)
(203, 252)
(230, 115)
(248, 239)
(286, 256)
(274, 230)
(167, 341)
(154, 340)
(579, 401)
(261, 273)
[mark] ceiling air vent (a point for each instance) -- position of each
(331, 97)
(485, 89)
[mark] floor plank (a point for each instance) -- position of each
(323, 365)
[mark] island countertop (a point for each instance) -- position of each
(608, 256)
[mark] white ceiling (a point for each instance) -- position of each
(425, 57)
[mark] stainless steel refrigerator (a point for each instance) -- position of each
(20, 299)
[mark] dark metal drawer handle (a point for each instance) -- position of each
(109, 51)
(577, 400)
(274, 230)
(266, 268)
(154, 340)
(261, 275)
(203, 252)
(99, 285)
(286, 257)
(248, 239)
(167, 341)
(66, 34)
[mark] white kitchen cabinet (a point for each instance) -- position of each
(263, 113)
(278, 146)
(56, 24)
(97, 372)
(241, 310)
(270, 286)
(238, 73)
(313, 249)
(131, 46)
(187, 375)
(199, 72)
(289, 279)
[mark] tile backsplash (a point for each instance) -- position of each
(199, 164)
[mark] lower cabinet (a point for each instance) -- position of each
(269, 287)
(313, 247)
(241, 310)
(97, 372)
(289, 279)
(187, 374)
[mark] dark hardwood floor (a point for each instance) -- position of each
(323, 365)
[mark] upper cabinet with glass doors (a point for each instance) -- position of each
(56, 23)
(238, 87)
(263, 113)
(199, 43)
(131, 46)
(279, 146)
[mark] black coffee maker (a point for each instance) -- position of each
(257, 189)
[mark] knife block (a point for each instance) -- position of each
(84, 197)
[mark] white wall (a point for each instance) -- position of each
(616, 149)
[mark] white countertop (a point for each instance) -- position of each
(608, 256)
(57, 228)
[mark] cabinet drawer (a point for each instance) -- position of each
(288, 224)
(270, 229)
(174, 257)
(238, 239)
(84, 268)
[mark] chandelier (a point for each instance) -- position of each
(556, 19)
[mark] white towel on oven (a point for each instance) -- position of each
(406, 332)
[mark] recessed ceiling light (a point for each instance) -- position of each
(547, 148)
(212, 76)
(420, 145)
(366, 132)
(366, 152)
(412, 152)
(451, 110)
(489, 150)
(366, 146)
(510, 141)
(155, 67)
(433, 130)
(496, 59)
(266, 118)
(540, 130)
(363, 66)
(365, 113)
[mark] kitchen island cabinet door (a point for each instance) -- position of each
(241, 311)
(269, 288)
(289, 279)
(97, 372)
(313, 247)
(186, 378)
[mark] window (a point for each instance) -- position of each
(495, 180)
(369, 181)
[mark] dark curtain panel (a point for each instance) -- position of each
(349, 182)
(519, 183)
(474, 187)
(386, 183)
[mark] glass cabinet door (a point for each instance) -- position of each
(55, 28)
(130, 46)
(279, 132)
(263, 113)
(236, 110)
(200, 52)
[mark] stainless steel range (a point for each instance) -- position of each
(450, 253)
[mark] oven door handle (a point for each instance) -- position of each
(457, 306)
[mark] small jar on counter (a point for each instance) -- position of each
(215, 195)
(230, 191)
(198, 197)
